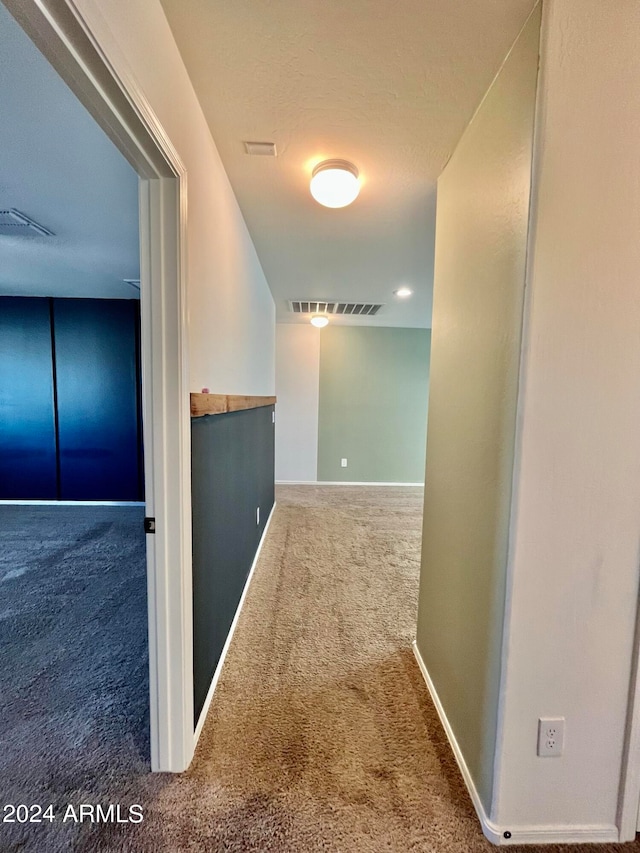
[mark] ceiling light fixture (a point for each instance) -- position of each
(335, 183)
(319, 321)
(403, 292)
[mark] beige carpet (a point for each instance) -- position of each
(321, 735)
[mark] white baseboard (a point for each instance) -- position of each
(339, 483)
(556, 834)
(508, 835)
(225, 648)
(72, 503)
(490, 832)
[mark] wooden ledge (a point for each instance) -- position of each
(219, 404)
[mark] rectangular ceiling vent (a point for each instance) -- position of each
(261, 149)
(310, 306)
(16, 224)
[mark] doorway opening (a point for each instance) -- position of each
(74, 51)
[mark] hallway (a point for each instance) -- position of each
(321, 735)
(316, 735)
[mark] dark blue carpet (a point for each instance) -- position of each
(74, 685)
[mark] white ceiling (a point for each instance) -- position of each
(59, 168)
(388, 86)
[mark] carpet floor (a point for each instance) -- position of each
(74, 684)
(321, 735)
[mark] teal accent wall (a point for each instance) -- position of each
(374, 387)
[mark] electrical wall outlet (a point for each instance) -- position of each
(257, 515)
(550, 737)
(273, 417)
(343, 463)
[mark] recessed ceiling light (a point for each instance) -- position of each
(403, 292)
(334, 183)
(319, 321)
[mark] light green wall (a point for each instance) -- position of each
(373, 404)
(481, 242)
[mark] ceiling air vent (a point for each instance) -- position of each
(16, 224)
(311, 306)
(261, 149)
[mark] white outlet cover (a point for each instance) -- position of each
(343, 463)
(550, 737)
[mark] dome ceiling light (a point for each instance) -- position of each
(335, 183)
(319, 321)
(403, 292)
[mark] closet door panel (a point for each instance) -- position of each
(96, 376)
(27, 420)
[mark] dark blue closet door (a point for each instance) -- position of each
(27, 422)
(96, 377)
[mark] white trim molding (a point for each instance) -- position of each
(554, 834)
(490, 831)
(71, 503)
(340, 483)
(505, 836)
(628, 816)
(167, 439)
(225, 648)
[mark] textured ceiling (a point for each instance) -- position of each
(389, 86)
(59, 168)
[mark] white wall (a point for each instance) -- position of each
(231, 311)
(481, 252)
(576, 530)
(297, 386)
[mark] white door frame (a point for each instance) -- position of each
(629, 792)
(86, 55)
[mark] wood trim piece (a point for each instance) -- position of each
(219, 404)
